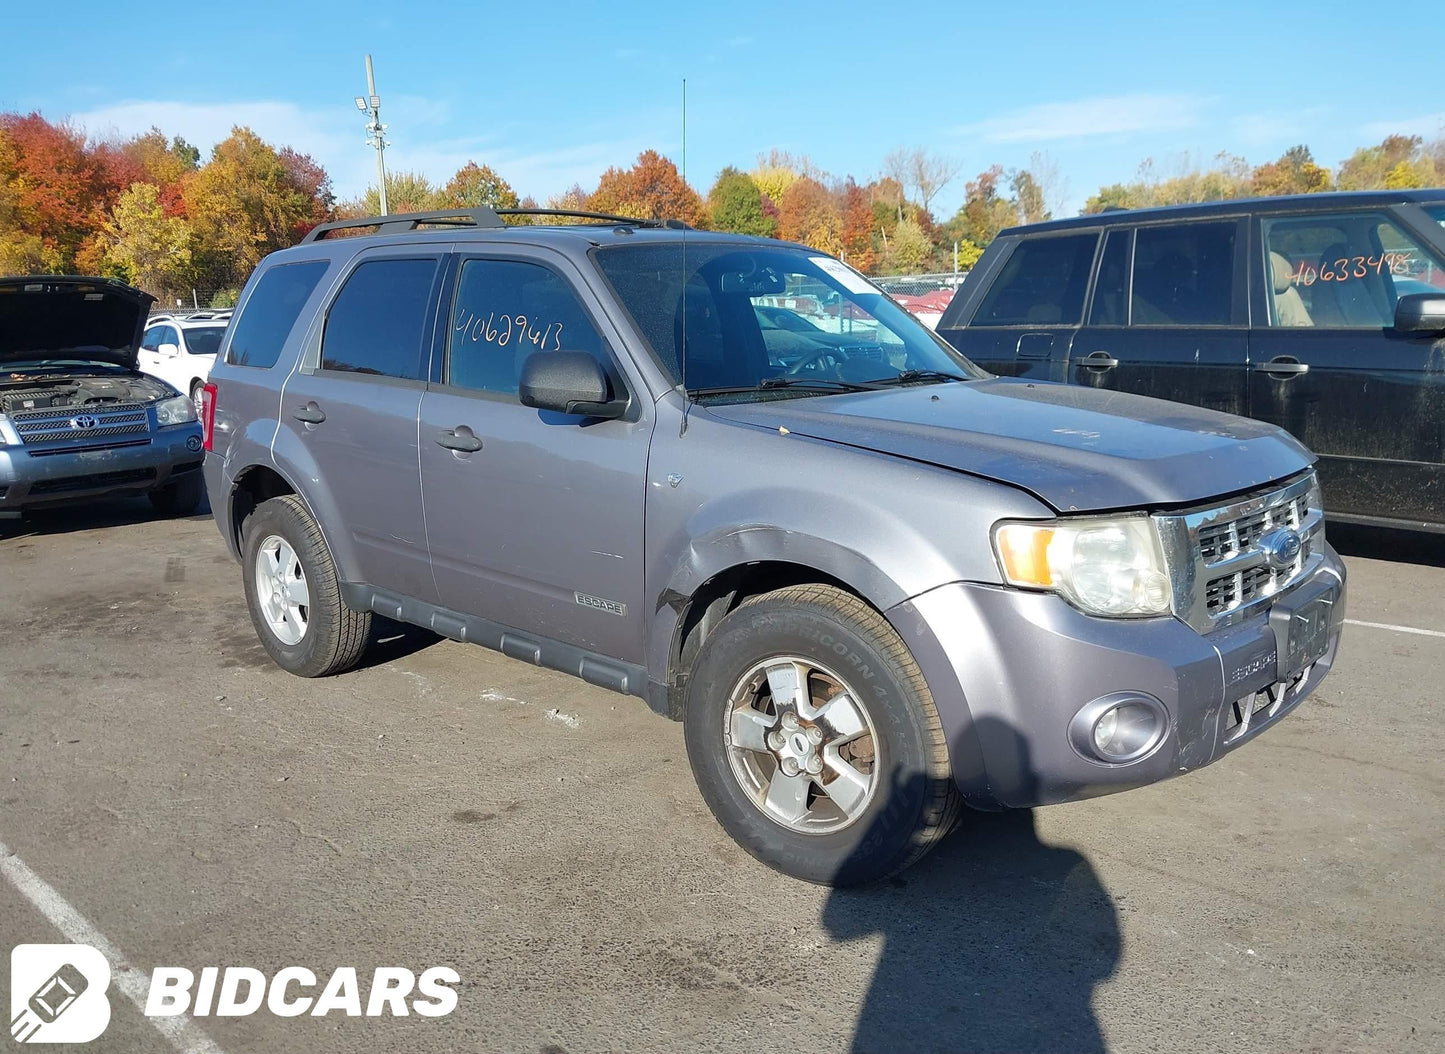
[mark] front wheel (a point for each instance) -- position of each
(293, 594)
(814, 739)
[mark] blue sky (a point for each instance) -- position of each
(553, 93)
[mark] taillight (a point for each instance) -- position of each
(208, 415)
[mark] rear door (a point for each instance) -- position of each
(1168, 315)
(1329, 366)
(534, 517)
(1025, 321)
(353, 403)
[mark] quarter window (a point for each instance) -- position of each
(506, 311)
(1343, 271)
(1184, 275)
(1042, 283)
(378, 323)
(270, 313)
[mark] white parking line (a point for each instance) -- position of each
(181, 1032)
(1397, 629)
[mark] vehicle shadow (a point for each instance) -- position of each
(109, 512)
(1387, 543)
(391, 640)
(993, 943)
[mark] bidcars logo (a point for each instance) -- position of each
(57, 993)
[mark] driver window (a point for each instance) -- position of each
(152, 338)
(507, 310)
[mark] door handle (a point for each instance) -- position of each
(1099, 360)
(1284, 366)
(310, 413)
(450, 439)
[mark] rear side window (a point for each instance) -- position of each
(271, 311)
(1041, 284)
(1184, 275)
(378, 321)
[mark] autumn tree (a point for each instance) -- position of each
(857, 227)
(247, 201)
(478, 185)
(148, 248)
(1398, 162)
(908, 250)
(55, 190)
(164, 163)
(807, 214)
(775, 172)
(985, 210)
(651, 189)
(736, 204)
(1294, 173)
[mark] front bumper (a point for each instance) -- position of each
(1009, 669)
(28, 480)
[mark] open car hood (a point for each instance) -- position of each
(1075, 448)
(69, 317)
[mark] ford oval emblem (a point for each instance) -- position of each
(84, 422)
(1281, 548)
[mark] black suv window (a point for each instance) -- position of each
(271, 311)
(1042, 283)
(1111, 288)
(1184, 275)
(506, 310)
(379, 319)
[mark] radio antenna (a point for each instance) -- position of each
(682, 352)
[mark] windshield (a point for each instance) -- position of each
(204, 340)
(736, 312)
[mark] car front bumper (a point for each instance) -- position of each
(28, 480)
(1010, 669)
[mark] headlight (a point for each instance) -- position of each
(1111, 566)
(177, 411)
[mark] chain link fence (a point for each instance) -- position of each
(925, 296)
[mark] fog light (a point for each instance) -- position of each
(1120, 728)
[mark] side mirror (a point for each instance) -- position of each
(1420, 313)
(168, 350)
(569, 382)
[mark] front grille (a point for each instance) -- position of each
(93, 481)
(51, 425)
(1226, 572)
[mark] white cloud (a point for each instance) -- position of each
(418, 135)
(1276, 126)
(1101, 115)
(1428, 125)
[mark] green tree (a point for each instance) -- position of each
(149, 249)
(1028, 196)
(908, 250)
(736, 204)
(476, 185)
(1396, 161)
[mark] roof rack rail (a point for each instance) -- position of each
(404, 222)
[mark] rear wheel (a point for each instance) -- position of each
(180, 497)
(196, 387)
(814, 739)
(293, 593)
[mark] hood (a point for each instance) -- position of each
(67, 317)
(1078, 449)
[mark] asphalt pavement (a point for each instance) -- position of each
(164, 785)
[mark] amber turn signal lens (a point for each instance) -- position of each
(1023, 549)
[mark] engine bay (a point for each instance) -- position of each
(38, 391)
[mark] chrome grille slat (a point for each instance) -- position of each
(52, 424)
(1221, 573)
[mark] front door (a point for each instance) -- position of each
(1168, 316)
(534, 518)
(354, 407)
(1328, 365)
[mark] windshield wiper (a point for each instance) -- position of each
(817, 384)
(908, 376)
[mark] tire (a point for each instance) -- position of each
(180, 498)
(196, 386)
(329, 637)
(838, 642)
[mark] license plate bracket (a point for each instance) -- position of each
(1302, 626)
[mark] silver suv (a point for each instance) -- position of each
(874, 581)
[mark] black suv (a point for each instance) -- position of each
(1324, 314)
